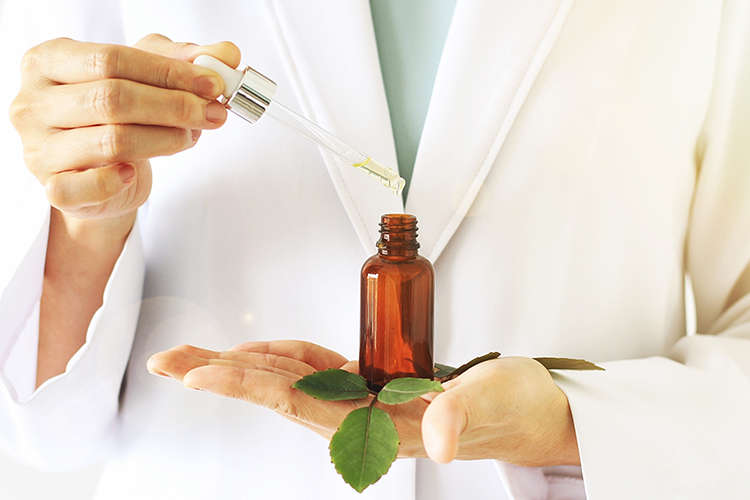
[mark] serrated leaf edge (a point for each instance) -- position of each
(371, 408)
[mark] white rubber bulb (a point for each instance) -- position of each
(231, 77)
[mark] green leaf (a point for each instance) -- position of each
(402, 390)
(442, 370)
(481, 359)
(567, 364)
(364, 447)
(333, 385)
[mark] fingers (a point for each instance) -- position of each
(72, 191)
(65, 61)
(163, 46)
(351, 366)
(85, 110)
(260, 373)
(180, 360)
(293, 357)
(293, 367)
(262, 387)
(271, 390)
(226, 52)
(127, 102)
(174, 363)
(314, 355)
(262, 379)
(88, 147)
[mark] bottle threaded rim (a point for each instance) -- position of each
(398, 234)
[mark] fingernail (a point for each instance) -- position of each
(157, 372)
(127, 173)
(216, 112)
(207, 86)
(196, 134)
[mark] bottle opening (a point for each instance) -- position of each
(398, 235)
(398, 220)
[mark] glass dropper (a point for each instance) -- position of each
(249, 95)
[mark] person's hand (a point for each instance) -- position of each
(507, 409)
(262, 373)
(91, 115)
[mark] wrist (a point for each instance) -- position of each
(81, 254)
(99, 235)
(79, 249)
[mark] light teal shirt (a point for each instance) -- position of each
(410, 37)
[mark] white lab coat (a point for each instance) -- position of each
(578, 157)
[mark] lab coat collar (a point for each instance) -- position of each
(330, 52)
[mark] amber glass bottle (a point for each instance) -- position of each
(396, 309)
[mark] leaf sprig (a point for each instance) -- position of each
(365, 446)
(366, 443)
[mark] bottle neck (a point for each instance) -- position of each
(398, 236)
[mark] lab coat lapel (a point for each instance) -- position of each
(493, 53)
(330, 53)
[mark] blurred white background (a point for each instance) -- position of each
(20, 482)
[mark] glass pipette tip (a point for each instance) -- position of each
(333, 144)
(249, 95)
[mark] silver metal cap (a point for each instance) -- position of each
(252, 97)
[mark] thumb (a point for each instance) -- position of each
(226, 52)
(442, 424)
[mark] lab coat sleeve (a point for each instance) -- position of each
(69, 419)
(679, 426)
